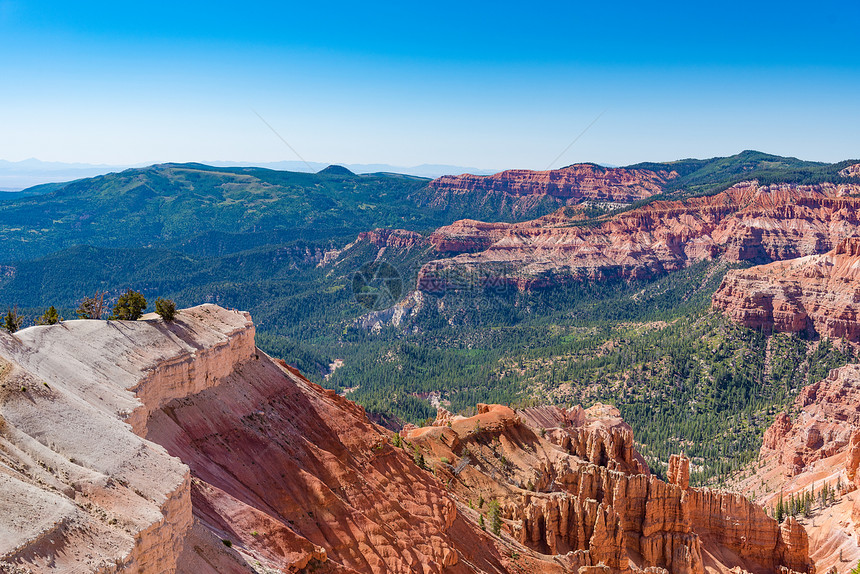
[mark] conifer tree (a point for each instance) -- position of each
(49, 317)
(165, 308)
(495, 517)
(129, 307)
(780, 509)
(13, 320)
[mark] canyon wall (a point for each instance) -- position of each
(815, 445)
(748, 222)
(523, 194)
(395, 238)
(179, 447)
(90, 494)
(570, 484)
(816, 295)
(578, 182)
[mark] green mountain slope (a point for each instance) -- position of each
(710, 176)
(172, 203)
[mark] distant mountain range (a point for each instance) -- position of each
(18, 175)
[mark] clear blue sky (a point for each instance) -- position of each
(491, 85)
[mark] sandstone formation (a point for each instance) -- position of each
(851, 171)
(817, 294)
(396, 238)
(179, 447)
(523, 194)
(82, 490)
(570, 484)
(748, 222)
(817, 444)
(826, 418)
(575, 182)
(153, 447)
(679, 471)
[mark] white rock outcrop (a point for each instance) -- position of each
(82, 490)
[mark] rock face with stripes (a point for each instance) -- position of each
(810, 449)
(147, 446)
(818, 295)
(568, 483)
(520, 193)
(747, 222)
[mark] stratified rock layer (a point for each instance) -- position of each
(826, 417)
(747, 222)
(817, 294)
(812, 447)
(569, 483)
(144, 446)
(396, 238)
(81, 490)
(571, 184)
(153, 447)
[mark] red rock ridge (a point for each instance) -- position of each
(747, 222)
(297, 476)
(239, 463)
(817, 294)
(817, 444)
(827, 417)
(397, 238)
(80, 489)
(575, 182)
(579, 492)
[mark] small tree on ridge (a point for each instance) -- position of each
(129, 307)
(92, 307)
(165, 308)
(13, 320)
(49, 317)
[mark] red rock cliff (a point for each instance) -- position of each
(817, 443)
(745, 223)
(578, 182)
(151, 447)
(398, 238)
(818, 294)
(144, 446)
(83, 490)
(570, 484)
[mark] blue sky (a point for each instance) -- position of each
(492, 85)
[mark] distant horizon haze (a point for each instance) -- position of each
(20, 175)
(495, 85)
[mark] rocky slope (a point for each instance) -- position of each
(817, 443)
(747, 222)
(521, 193)
(851, 171)
(152, 447)
(82, 489)
(817, 294)
(396, 238)
(570, 484)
